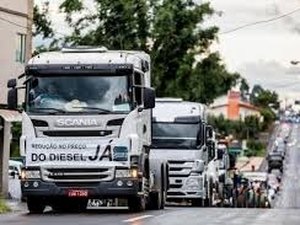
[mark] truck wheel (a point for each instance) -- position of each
(136, 204)
(163, 199)
(35, 206)
(155, 201)
(209, 196)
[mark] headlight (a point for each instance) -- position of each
(198, 166)
(193, 183)
(30, 174)
(132, 173)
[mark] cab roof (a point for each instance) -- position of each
(168, 109)
(91, 55)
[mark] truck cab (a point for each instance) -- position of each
(181, 138)
(86, 128)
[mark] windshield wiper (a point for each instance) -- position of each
(100, 110)
(54, 109)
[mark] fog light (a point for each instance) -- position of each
(26, 184)
(120, 183)
(35, 184)
(129, 183)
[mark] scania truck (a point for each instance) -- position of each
(183, 139)
(86, 129)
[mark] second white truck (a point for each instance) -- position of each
(182, 139)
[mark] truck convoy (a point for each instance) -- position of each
(86, 131)
(183, 140)
(92, 130)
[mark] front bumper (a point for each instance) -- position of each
(179, 190)
(111, 189)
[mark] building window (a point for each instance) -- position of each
(21, 48)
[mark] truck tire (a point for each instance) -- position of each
(155, 201)
(137, 204)
(35, 205)
(209, 196)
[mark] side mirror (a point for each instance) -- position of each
(209, 132)
(12, 98)
(11, 83)
(149, 98)
(211, 150)
(220, 154)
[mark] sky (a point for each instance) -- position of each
(260, 53)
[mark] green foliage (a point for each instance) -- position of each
(244, 87)
(42, 24)
(118, 24)
(16, 130)
(3, 207)
(255, 148)
(170, 30)
(247, 129)
(266, 100)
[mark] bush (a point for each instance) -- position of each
(3, 207)
(255, 148)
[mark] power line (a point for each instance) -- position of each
(25, 27)
(261, 22)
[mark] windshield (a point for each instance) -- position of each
(176, 135)
(63, 94)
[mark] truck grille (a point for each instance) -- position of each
(77, 174)
(180, 168)
(178, 173)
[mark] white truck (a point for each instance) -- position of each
(86, 129)
(183, 140)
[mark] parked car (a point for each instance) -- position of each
(275, 161)
(14, 168)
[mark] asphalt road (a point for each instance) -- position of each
(286, 211)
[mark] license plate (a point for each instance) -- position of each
(78, 193)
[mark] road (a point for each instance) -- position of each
(286, 211)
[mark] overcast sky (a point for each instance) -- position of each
(260, 53)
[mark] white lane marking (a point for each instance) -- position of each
(137, 218)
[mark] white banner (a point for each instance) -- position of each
(85, 152)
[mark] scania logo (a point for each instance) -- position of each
(77, 123)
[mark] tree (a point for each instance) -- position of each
(170, 31)
(244, 88)
(265, 100)
(41, 23)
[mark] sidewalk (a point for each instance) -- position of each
(245, 164)
(16, 206)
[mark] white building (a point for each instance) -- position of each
(16, 40)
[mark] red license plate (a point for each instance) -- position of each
(78, 193)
